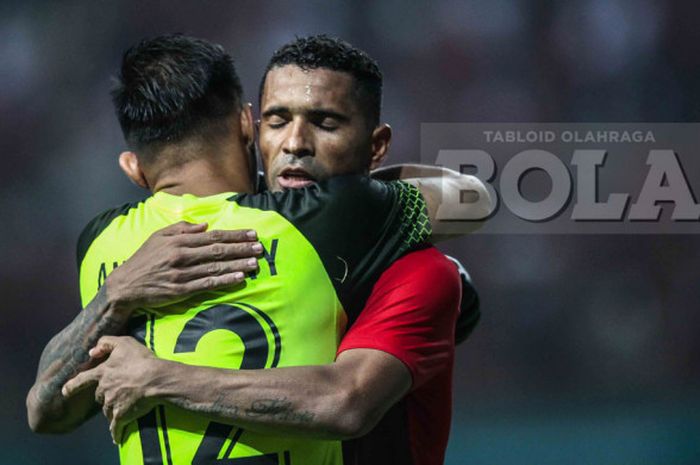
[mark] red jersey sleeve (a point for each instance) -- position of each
(411, 314)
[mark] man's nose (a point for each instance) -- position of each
(298, 141)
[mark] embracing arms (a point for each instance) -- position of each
(457, 203)
(175, 261)
(338, 401)
(325, 402)
(403, 338)
(64, 356)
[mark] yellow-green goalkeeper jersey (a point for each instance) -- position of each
(324, 245)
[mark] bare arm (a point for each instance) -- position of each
(338, 401)
(66, 355)
(457, 203)
(341, 400)
(407, 171)
(175, 262)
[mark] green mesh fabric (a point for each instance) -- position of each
(416, 226)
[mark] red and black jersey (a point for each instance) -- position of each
(411, 314)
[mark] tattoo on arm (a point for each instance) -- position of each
(67, 353)
(279, 410)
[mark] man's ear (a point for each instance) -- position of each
(381, 139)
(247, 124)
(129, 163)
(248, 127)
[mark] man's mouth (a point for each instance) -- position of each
(294, 178)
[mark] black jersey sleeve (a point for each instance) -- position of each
(357, 225)
(469, 306)
(97, 225)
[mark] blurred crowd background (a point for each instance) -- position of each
(588, 350)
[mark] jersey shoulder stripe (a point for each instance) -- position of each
(357, 225)
(341, 202)
(99, 224)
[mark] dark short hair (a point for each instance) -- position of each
(322, 51)
(173, 87)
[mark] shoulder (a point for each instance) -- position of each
(426, 271)
(337, 188)
(422, 287)
(98, 224)
(411, 314)
(335, 205)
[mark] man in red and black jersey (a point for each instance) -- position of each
(402, 344)
(320, 105)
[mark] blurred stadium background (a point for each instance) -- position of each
(588, 351)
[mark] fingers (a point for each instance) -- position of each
(122, 416)
(104, 347)
(113, 430)
(244, 265)
(218, 236)
(213, 282)
(116, 429)
(182, 227)
(218, 252)
(107, 410)
(81, 381)
(100, 396)
(116, 423)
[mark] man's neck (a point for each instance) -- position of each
(202, 178)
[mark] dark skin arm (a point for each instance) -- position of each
(458, 204)
(174, 262)
(407, 171)
(302, 400)
(340, 400)
(322, 402)
(64, 356)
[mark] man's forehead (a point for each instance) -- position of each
(292, 85)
